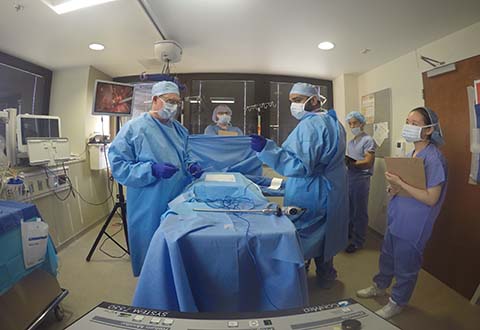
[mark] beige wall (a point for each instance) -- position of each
(71, 100)
(68, 101)
(339, 95)
(345, 97)
(404, 76)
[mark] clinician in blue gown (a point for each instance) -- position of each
(312, 157)
(222, 117)
(360, 160)
(148, 157)
(410, 219)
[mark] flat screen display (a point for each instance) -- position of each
(39, 128)
(112, 99)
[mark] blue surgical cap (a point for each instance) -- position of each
(437, 135)
(357, 115)
(164, 87)
(221, 108)
(304, 89)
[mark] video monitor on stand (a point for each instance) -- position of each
(113, 99)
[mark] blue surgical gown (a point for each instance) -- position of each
(312, 157)
(142, 142)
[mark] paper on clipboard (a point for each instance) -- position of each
(410, 169)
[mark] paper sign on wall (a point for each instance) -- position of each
(474, 110)
(380, 132)
(368, 108)
(476, 84)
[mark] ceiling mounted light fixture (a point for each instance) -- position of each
(66, 6)
(96, 47)
(326, 45)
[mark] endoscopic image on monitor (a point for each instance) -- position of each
(112, 99)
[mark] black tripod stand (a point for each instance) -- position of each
(120, 204)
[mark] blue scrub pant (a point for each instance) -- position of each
(401, 259)
(358, 190)
(324, 269)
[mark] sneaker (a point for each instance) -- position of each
(389, 310)
(371, 291)
(352, 248)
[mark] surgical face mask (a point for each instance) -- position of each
(412, 133)
(356, 131)
(298, 109)
(168, 111)
(224, 119)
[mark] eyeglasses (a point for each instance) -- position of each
(172, 101)
(298, 99)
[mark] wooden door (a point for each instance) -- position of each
(453, 253)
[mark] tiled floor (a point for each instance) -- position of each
(433, 306)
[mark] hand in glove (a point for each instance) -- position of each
(195, 170)
(164, 170)
(258, 142)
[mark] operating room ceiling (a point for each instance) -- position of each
(255, 36)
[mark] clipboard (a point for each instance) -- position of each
(410, 169)
(350, 158)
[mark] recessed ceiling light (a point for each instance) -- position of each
(326, 45)
(96, 47)
(222, 100)
(66, 6)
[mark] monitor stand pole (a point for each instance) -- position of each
(120, 204)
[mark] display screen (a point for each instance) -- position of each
(38, 127)
(112, 99)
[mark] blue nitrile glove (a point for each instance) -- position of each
(258, 142)
(163, 170)
(195, 170)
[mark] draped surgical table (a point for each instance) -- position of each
(219, 262)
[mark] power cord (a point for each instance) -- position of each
(53, 189)
(105, 240)
(254, 260)
(235, 203)
(73, 190)
(228, 202)
(109, 176)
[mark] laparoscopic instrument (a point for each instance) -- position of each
(269, 209)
